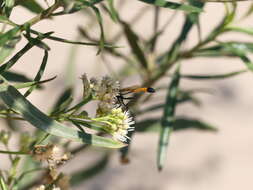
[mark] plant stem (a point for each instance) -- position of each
(13, 152)
(45, 14)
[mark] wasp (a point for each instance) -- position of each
(132, 89)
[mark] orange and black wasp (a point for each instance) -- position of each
(132, 89)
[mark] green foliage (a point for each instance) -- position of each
(69, 119)
(172, 5)
(19, 104)
(167, 121)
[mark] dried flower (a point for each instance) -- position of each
(117, 123)
(50, 153)
(86, 86)
(64, 182)
(105, 91)
(43, 152)
(55, 181)
(41, 187)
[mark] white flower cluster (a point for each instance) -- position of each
(116, 121)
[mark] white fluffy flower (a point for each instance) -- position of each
(117, 123)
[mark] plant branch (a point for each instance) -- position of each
(45, 14)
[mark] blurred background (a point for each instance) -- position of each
(196, 160)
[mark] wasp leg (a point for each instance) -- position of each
(122, 94)
(120, 101)
(127, 98)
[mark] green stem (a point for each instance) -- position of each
(45, 14)
(165, 67)
(9, 117)
(3, 184)
(13, 152)
(79, 105)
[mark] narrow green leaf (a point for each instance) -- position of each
(39, 74)
(180, 123)
(247, 62)
(8, 6)
(36, 41)
(11, 124)
(124, 152)
(220, 28)
(173, 5)
(167, 121)
(25, 176)
(153, 39)
(4, 38)
(239, 51)
(93, 2)
(16, 101)
(80, 123)
(224, 49)
(20, 53)
(13, 152)
(84, 174)
(31, 5)
(72, 42)
(230, 13)
(4, 19)
(133, 39)
(76, 107)
(63, 101)
(245, 46)
(249, 11)
(33, 83)
(225, 1)
(14, 165)
(15, 77)
(173, 53)
(112, 11)
(100, 22)
(3, 184)
(214, 77)
(8, 48)
(28, 164)
(212, 51)
(244, 30)
(236, 49)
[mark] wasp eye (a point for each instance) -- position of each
(150, 90)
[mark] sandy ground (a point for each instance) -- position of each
(196, 160)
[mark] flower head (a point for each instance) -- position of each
(41, 187)
(104, 90)
(117, 123)
(112, 118)
(50, 153)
